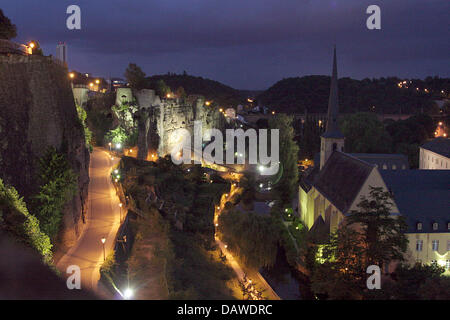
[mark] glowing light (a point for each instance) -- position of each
(207, 103)
(120, 205)
(91, 84)
(221, 110)
(71, 75)
(128, 294)
(97, 81)
(118, 145)
(116, 171)
(168, 95)
(32, 45)
(103, 240)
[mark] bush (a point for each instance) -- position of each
(58, 184)
(16, 220)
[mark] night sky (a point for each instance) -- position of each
(247, 44)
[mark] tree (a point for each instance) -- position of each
(7, 29)
(287, 185)
(383, 235)
(135, 76)
(369, 236)
(253, 238)
(339, 271)
(364, 133)
(180, 93)
(58, 184)
(162, 89)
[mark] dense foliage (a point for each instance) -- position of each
(371, 236)
(253, 238)
(99, 116)
(287, 185)
(16, 220)
(311, 93)
(364, 133)
(82, 115)
(212, 90)
(135, 76)
(57, 185)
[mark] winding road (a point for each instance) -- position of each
(103, 221)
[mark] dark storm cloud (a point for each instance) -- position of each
(246, 43)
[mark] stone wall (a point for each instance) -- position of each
(157, 119)
(37, 110)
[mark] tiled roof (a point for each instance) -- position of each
(421, 196)
(384, 161)
(341, 179)
(439, 145)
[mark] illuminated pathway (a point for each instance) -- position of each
(102, 222)
(231, 260)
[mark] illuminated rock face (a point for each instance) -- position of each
(157, 119)
(37, 110)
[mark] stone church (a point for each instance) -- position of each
(332, 189)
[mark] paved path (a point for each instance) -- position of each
(102, 222)
(262, 283)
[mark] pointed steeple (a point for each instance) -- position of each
(332, 130)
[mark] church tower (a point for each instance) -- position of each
(332, 139)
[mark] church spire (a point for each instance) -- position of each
(332, 130)
(332, 139)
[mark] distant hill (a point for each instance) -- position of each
(221, 94)
(294, 95)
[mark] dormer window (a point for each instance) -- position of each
(435, 226)
(419, 225)
(448, 225)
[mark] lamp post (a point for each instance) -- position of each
(109, 144)
(103, 243)
(120, 206)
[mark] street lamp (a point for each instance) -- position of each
(120, 206)
(109, 144)
(103, 243)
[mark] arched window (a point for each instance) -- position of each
(419, 226)
(384, 166)
(435, 226)
(334, 146)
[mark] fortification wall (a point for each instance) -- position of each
(37, 110)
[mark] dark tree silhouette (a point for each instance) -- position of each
(7, 29)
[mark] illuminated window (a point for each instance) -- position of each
(447, 264)
(419, 226)
(435, 245)
(448, 225)
(394, 167)
(419, 245)
(435, 226)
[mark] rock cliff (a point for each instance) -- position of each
(37, 110)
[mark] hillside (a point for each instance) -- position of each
(212, 90)
(385, 94)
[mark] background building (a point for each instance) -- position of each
(61, 52)
(435, 154)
